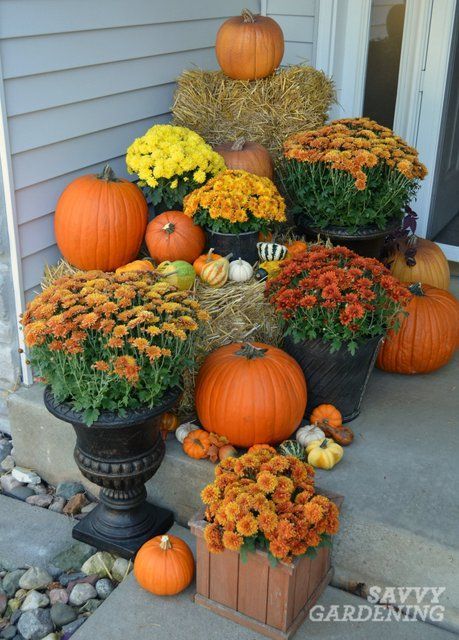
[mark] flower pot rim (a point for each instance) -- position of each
(231, 235)
(110, 419)
(343, 347)
(365, 232)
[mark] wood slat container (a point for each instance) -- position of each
(273, 601)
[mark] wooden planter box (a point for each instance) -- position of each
(271, 601)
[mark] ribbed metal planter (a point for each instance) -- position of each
(241, 245)
(334, 378)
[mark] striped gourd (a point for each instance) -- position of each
(292, 448)
(216, 273)
(269, 251)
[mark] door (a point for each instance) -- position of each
(443, 223)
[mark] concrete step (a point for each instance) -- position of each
(132, 613)
(399, 519)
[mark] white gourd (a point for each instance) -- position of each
(307, 434)
(183, 430)
(240, 271)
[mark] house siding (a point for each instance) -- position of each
(79, 86)
(297, 19)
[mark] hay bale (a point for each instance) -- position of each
(268, 110)
(54, 271)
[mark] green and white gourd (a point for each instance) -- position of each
(292, 448)
(269, 251)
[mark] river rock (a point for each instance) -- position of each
(104, 587)
(35, 578)
(75, 504)
(5, 449)
(39, 489)
(8, 632)
(40, 500)
(7, 463)
(100, 563)
(3, 602)
(89, 507)
(36, 624)
(57, 504)
(8, 483)
(73, 557)
(34, 600)
(66, 578)
(14, 608)
(62, 614)
(25, 475)
(51, 636)
(90, 606)
(22, 492)
(58, 595)
(120, 569)
(92, 579)
(68, 489)
(10, 582)
(81, 593)
(69, 629)
(21, 594)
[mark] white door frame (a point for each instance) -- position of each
(341, 51)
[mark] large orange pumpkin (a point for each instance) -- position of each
(420, 260)
(250, 393)
(100, 221)
(173, 236)
(249, 46)
(164, 565)
(427, 337)
(248, 156)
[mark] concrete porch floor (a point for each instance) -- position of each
(399, 478)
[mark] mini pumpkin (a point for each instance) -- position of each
(296, 248)
(169, 423)
(164, 565)
(196, 444)
(216, 273)
(326, 414)
(200, 263)
(137, 265)
(324, 454)
(269, 251)
(292, 448)
(227, 451)
(183, 430)
(309, 433)
(240, 270)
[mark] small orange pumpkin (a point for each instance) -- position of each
(164, 565)
(260, 447)
(137, 265)
(326, 414)
(169, 423)
(296, 248)
(202, 261)
(196, 444)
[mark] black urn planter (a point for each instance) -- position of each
(119, 454)
(240, 245)
(335, 378)
(366, 241)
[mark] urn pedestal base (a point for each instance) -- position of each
(123, 533)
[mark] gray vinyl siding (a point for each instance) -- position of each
(81, 80)
(298, 21)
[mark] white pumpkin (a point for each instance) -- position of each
(307, 434)
(240, 271)
(184, 429)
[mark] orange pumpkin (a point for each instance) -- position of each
(196, 444)
(250, 393)
(420, 260)
(164, 565)
(427, 337)
(248, 156)
(169, 423)
(100, 221)
(326, 414)
(173, 236)
(296, 248)
(200, 263)
(249, 46)
(137, 265)
(260, 447)
(265, 237)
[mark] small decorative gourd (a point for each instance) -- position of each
(309, 433)
(240, 271)
(164, 565)
(272, 268)
(200, 263)
(216, 273)
(292, 448)
(137, 265)
(183, 430)
(196, 444)
(342, 435)
(324, 454)
(178, 273)
(269, 251)
(326, 414)
(169, 423)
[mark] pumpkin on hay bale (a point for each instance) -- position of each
(267, 110)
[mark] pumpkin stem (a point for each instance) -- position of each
(247, 15)
(169, 228)
(209, 255)
(230, 255)
(107, 174)
(324, 444)
(165, 543)
(416, 289)
(251, 352)
(411, 250)
(238, 144)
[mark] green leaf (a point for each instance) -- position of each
(311, 553)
